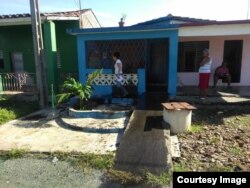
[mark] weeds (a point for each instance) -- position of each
(235, 150)
(126, 178)
(161, 180)
(181, 167)
(13, 154)
(195, 128)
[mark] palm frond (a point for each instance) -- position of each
(63, 97)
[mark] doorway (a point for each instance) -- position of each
(157, 66)
(233, 56)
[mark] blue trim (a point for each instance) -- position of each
(172, 68)
(141, 81)
(128, 35)
(81, 46)
(136, 28)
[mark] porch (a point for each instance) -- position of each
(149, 54)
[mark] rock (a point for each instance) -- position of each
(237, 137)
(212, 160)
(217, 134)
(239, 168)
(54, 160)
(230, 159)
(241, 144)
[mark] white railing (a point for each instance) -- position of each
(17, 81)
(109, 79)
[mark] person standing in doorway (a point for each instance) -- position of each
(118, 74)
(204, 73)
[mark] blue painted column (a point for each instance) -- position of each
(81, 50)
(172, 65)
(141, 88)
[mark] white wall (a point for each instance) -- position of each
(216, 46)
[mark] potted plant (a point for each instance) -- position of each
(122, 21)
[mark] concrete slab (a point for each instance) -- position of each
(140, 150)
(50, 135)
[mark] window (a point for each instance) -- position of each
(17, 62)
(133, 54)
(190, 55)
(1, 60)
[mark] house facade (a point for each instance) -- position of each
(166, 50)
(16, 44)
(228, 41)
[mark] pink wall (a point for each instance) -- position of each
(216, 45)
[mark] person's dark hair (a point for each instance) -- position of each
(116, 54)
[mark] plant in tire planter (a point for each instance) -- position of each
(71, 87)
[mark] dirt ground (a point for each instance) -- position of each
(220, 140)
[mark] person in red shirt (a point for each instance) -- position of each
(222, 72)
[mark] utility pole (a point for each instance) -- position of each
(80, 4)
(248, 6)
(38, 52)
(80, 15)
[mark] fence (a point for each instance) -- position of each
(17, 82)
(109, 79)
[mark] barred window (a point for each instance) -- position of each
(133, 54)
(190, 55)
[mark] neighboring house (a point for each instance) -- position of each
(16, 43)
(227, 40)
(163, 49)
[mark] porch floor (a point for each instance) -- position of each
(222, 95)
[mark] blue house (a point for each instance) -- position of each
(148, 51)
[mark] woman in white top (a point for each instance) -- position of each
(204, 73)
(118, 74)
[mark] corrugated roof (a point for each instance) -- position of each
(50, 14)
(170, 19)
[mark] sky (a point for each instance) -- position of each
(109, 12)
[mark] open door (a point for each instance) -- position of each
(157, 66)
(233, 57)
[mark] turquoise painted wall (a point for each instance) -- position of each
(153, 34)
(17, 39)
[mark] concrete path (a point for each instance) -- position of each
(143, 146)
(50, 134)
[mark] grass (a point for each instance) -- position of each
(11, 110)
(195, 128)
(219, 168)
(100, 162)
(213, 140)
(161, 180)
(13, 154)
(180, 167)
(125, 178)
(235, 150)
(88, 160)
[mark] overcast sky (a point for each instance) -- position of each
(109, 12)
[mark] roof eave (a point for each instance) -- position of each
(119, 30)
